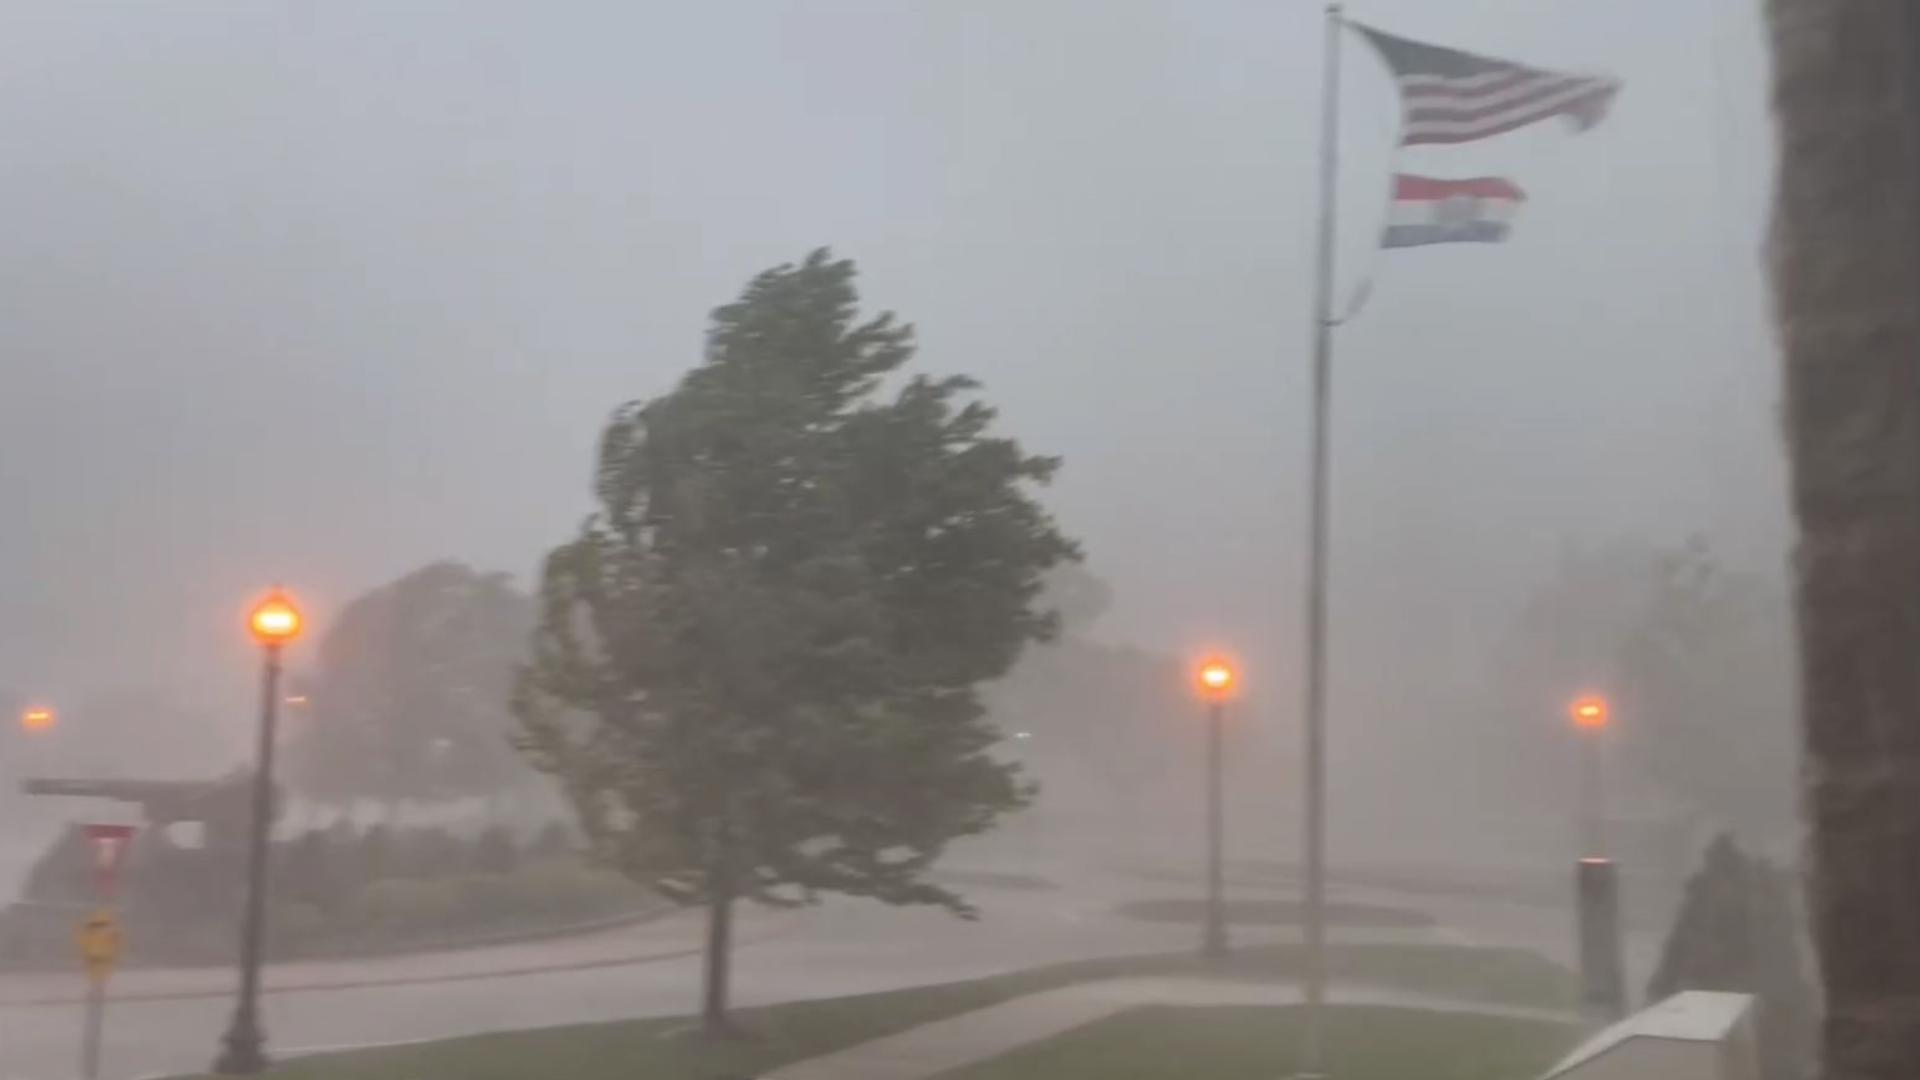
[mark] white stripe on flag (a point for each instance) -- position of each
(1467, 82)
(1421, 99)
(1543, 107)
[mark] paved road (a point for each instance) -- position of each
(840, 948)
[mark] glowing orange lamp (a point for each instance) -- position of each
(37, 718)
(1589, 713)
(1216, 679)
(274, 621)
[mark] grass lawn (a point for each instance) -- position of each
(671, 1049)
(1254, 1043)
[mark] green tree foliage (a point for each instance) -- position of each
(756, 667)
(409, 698)
(1738, 931)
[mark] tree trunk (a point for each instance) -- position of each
(1847, 292)
(713, 1009)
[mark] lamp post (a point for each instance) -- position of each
(1596, 880)
(1216, 679)
(35, 719)
(1591, 716)
(274, 622)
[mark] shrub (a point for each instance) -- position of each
(553, 841)
(376, 853)
(494, 852)
(294, 925)
(403, 907)
(307, 871)
(1737, 931)
(430, 853)
(549, 894)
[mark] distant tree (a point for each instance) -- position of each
(309, 870)
(1698, 661)
(409, 697)
(1706, 685)
(1738, 931)
(430, 852)
(757, 666)
(494, 852)
(376, 856)
(554, 840)
(1104, 717)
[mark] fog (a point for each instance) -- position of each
(318, 293)
(322, 294)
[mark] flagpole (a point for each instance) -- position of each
(1314, 973)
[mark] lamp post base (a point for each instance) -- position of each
(1213, 945)
(244, 1054)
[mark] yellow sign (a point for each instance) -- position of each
(99, 941)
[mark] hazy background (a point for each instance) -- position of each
(316, 293)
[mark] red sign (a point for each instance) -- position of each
(110, 844)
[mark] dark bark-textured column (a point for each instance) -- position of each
(1846, 253)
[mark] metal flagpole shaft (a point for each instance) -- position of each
(90, 1034)
(1313, 1042)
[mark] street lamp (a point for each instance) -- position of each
(1591, 715)
(1216, 679)
(274, 622)
(35, 719)
(1596, 881)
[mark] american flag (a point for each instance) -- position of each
(1457, 97)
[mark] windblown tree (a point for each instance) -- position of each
(1846, 278)
(409, 698)
(756, 672)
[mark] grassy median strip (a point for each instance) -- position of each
(1254, 1043)
(672, 1049)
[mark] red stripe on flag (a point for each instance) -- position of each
(1420, 86)
(1561, 95)
(1584, 109)
(1425, 188)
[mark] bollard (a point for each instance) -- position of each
(1603, 995)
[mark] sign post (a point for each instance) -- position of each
(99, 937)
(99, 941)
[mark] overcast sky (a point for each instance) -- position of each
(318, 292)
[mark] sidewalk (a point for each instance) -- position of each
(932, 1049)
(669, 937)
